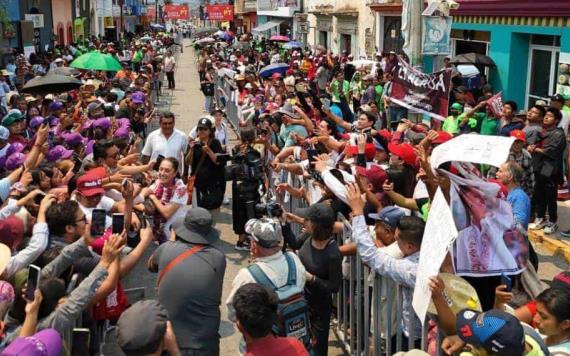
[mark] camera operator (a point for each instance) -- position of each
(246, 176)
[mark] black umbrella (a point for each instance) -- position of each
(51, 83)
(69, 71)
(473, 58)
(204, 32)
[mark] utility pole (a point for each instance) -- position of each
(412, 30)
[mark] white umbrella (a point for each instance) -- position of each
(468, 70)
(359, 63)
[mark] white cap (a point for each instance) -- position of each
(4, 133)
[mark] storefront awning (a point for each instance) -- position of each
(265, 27)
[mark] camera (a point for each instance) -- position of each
(245, 167)
(270, 209)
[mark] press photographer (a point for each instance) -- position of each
(246, 174)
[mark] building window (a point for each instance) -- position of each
(544, 40)
(324, 38)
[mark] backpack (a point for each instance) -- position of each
(292, 310)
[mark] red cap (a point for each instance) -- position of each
(369, 150)
(442, 136)
(91, 183)
(11, 232)
(276, 76)
(404, 151)
(376, 176)
(519, 135)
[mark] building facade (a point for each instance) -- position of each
(342, 25)
(530, 44)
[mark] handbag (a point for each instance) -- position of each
(192, 178)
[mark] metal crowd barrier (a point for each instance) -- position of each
(226, 98)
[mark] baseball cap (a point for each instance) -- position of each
(73, 139)
(141, 327)
(404, 151)
(46, 342)
(496, 331)
(458, 294)
(15, 161)
(7, 294)
(557, 97)
(566, 96)
(91, 183)
(4, 133)
(137, 97)
(36, 122)
(386, 134)
(265, 231)
(94, 106)
(15, 147)
(13, 116)
(57, 153)
(390, 215)
(102, 123)
(320, 213)
(369, 150)
(11, 232)
(456, 106)
(442, 136)
(519, 135)
(56, 105)
(375, 175)
(205, 123)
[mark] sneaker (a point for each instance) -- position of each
(242, 245)
(565, 233)
(550, 228)
(537, 224)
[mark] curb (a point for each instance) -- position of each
(552, 244)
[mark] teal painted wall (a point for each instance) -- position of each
(509, 49)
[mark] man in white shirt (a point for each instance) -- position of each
(168, 141)
(169, 64)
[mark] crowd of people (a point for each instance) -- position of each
(88, 189)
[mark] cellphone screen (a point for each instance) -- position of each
(80, 342)
(98, 222)
(118, 223)
(38, 198)
(158, 160)
(33, 281)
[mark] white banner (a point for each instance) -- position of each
(493, 150)
(439, 234)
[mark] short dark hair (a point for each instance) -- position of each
(100, 148)
(540, 108)
(53, 289)
(175, 163)
(167, 115)
(411, 229)
(556, 113)
(512, 104)
(60, 215)
(557, 302)
(370, 116)
(256, 309)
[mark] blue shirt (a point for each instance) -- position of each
(520, 202)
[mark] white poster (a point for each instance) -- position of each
(493, 150)
(439, 234)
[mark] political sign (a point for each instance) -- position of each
(220, 12)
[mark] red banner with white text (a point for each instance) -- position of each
(220, 12)
(176, 12)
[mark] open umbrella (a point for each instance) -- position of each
(241, 45)
(361, 63)
(267, 71)
(51, 83)
(293, 44)
(468, 70)
(473, 58)
(97, 61)
(70, 72)
(204, 32)
(205, 40)
(157, 26)
(279, 38)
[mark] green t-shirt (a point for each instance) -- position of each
(489, 125)
(335, 89)
(451, 125)
(379, 102)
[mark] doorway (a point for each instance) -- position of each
(393, 40)
(542, 72)
(346, 43)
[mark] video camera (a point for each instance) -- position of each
(246, 167)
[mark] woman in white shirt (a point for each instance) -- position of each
(168, 195)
